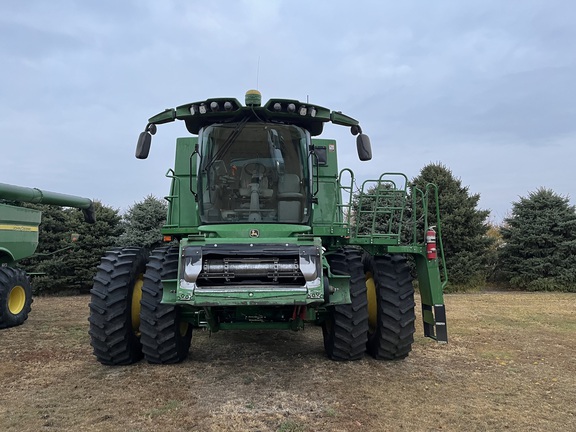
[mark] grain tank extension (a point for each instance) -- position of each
(19, 239)
(266, 232)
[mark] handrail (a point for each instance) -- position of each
(382, 198)
(380, 208)
(176, 187)
(342, 214)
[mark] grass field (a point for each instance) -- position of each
(510, 365)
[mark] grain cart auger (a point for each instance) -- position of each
(19, 239)
(267, 233)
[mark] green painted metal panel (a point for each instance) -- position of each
(342, 119)
(231, 238)
(254, 232)
(182, 215)
(327, 210)
(341, 285)
(432, 297)
(260, 326)
(244, 297)
(18, 232)
(165, 116)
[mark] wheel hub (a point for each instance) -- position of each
(16, 299)
(372, 302)
(135, 307)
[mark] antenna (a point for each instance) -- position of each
(258, 74)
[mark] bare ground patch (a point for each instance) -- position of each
(510, 365)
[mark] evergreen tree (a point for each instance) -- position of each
(464, 227)
(539, 251)
(94, 240)
(54, 230)
(67, 265)
(142, 223)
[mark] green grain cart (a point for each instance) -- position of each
(19, 239)
(266, 232)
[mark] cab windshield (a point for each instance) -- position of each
(253, 172)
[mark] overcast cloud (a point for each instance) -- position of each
(485, 87)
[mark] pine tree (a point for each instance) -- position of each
(94, 240)
(66, 265)
(142, 223)
(464, 227)
(54, 230)
(539, 251)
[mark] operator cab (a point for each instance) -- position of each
(254, 172)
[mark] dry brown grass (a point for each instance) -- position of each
(510, 365)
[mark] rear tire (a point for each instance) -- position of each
(345, 329)
(115, 306)
(15, 297)
(165, 337)
(392, 329)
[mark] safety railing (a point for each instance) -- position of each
(378, 209)
(388, 210)
(343, 211)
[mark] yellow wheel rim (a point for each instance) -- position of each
(136, 297)
(372, 302)
(16, 299)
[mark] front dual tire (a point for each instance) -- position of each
(115, 306)
(380, 318)
(165, 336)
(391, 307)
(345, 329)
(127, 320)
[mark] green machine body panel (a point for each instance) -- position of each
(18, 232)
(182, 215)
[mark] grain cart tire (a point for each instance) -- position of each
(15, 297)
(115, 306)
(391, 306)
(165, 337)
(345, 329)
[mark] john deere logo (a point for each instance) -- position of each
(254, 233)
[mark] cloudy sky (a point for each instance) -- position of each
(487, 87)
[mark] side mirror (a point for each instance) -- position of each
(364, 148)
(143, 146)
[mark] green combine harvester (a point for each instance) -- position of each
(265, 232)
(19, 239)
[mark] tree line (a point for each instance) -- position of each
(534, 248)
